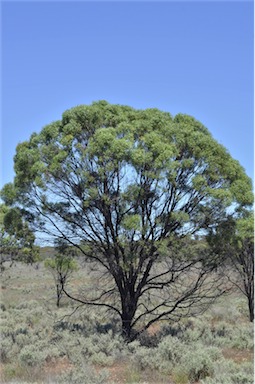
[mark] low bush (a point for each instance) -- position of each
(6, 349)
(32, 356)
(228, 372)
(180, 376)
(83, 374)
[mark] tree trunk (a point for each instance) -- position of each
(129, 307)
(126, 328)
(59, 295)
(251, 308)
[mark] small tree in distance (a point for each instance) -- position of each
(126, 187)
(62, 267)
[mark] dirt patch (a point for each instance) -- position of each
(56, 367)
(118, 373)
(154, 329)
(238, 356)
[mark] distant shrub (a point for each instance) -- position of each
(180, 376)
(31, 356)
(229, 372)
(197, 364)
(83, 374)
(169, 352)
(100, 358)
(17, 373)
(30, 304)
(22, 340)
(5, 350)
(142, 358)
(243, 337)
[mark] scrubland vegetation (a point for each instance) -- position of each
(45, 344)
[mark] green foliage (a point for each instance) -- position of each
(233, 240)
(111, 137)
(122, 181)
(180, 376)
(198, 363)
(228, 372)
(83, 374)
(16, 238)
(60, 263)
(30, 355)
(62, 266)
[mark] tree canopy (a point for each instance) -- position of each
(122, 185)
(16, 238)
(233, 241)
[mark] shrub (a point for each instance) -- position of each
(106, 346)
(102, 359)
(6, 348)
(31, 355)
(83, 374)
(180, 376)
(243, 337)
(197, 365)
(17, 373)
(143, 358)
(228, 372)
(171, 349)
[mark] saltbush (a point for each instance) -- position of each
(83, 374)
(6, 349)
(142, 358)
(197, 364)
(229, 372)
(31, 356)
(169, 353)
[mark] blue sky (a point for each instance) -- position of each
(189, 57)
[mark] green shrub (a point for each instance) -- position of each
(30, 355)
(107, 346)
(6, 348)
(17, 373)
(83, 374)
(170, 350)
(30, 304)
(142, 358)
(243, 337)
(229, 372)
(132, 375)
(22, 340)
(100, 358)
(197, 365)
(180, 376)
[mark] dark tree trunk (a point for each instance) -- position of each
(251, 307)
(129, 307)
(59, 294)
(127, 328)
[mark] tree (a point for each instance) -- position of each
(16, 238)
(233, 240)
(61, 266)
(123, 186)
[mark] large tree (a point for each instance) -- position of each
(125, 186)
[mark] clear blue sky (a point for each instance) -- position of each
(189, 57)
